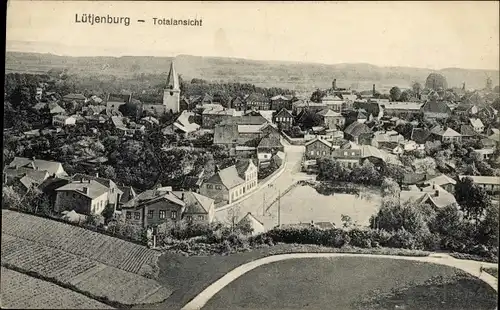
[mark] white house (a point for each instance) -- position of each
(63, 120)
(477, 124)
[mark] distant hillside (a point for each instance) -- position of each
(298, 76)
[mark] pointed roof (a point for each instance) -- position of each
(172, 79)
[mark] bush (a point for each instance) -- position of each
(360, 238)
(403, 239)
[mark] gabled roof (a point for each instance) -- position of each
(95, 189)
(284, 113)
(104, 181)
(195, 203)
(441, 180)
(128, 193)
(270, 141)
(476, 122)
(355, 129)
(448, 132)
(467, 130)
(55, 108)
(50, 166)
(228, 177)
(256, 97)
(242, 166)
(420, 135)
(320, 140)
(436, 107)
(254, 222)
(329, 113)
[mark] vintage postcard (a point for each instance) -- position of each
(251, 155)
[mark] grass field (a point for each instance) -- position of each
(20, 291)
(304, 204)
(190, 275)
(354, 283)
(60, 253)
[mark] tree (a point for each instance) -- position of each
(390, 188)
(317, 95)
(108, 213)
(108, 172)
(426, 165)
(395, 93)
(129, 109)
(407, 95)
(436, 81)
(296, 132)
(366, 174)
(417, 88)
(472, 199)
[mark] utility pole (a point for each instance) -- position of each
(264, 204)
(279, 208)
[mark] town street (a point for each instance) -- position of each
(262, 197)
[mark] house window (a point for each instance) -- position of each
(200, 217)
(129, 215)
(218, 187)
(151, 213)
(324, 153)
(73, 195)
(345, 153)
(189, 218)
(209, 186)
(163, 214)
(312, 152)
(137, 215)
(173, 215)
(232, 196)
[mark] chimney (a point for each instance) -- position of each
(373, 91)
(182, 196)
(436, 193)
(85, 190)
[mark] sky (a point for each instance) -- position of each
(432, 35)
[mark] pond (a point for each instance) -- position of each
(304, 204)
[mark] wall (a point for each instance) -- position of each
(215, 194)
(71, 200)
(294, 141)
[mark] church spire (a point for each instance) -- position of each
(172, 79)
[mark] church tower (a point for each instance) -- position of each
(171, 94)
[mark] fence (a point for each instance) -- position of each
(294, 141)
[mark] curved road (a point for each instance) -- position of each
(264, 195)
(471, 267)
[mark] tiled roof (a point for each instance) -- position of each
(420, 135)
(249, 128)
(254, 222)
(448, 132)
(320, 140)
(279, 97)
(195, 203)
(476, 122)
(441, 180)
(410, 106)
(270, 141)
(228, 177)
(50, 166)
(225, 134)
(328, 112)
(467, 130)
(355, 129)
(95, 189)
(479, 179)
(74, 97)
(55, 108)
(436, 107)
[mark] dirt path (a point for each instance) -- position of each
(471, 267)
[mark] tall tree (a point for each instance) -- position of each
(472, 199)
(436, 81)
(395, 93)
